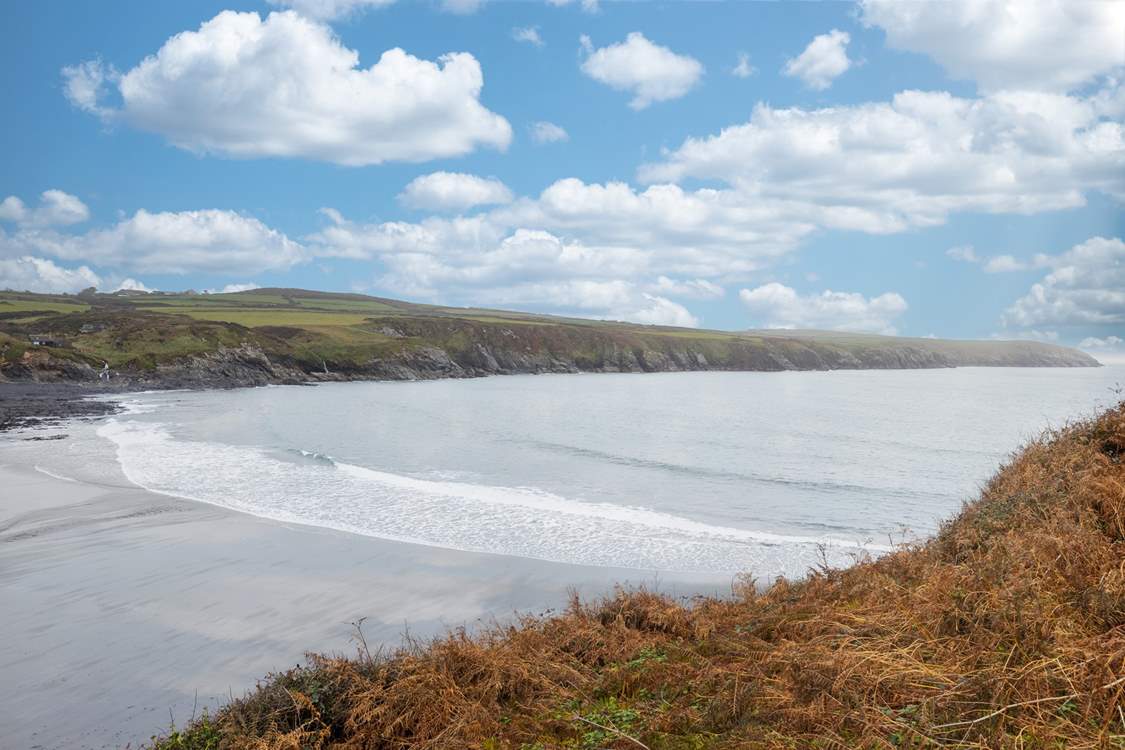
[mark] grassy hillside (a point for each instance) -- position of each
(1007, 630)
(288, 335)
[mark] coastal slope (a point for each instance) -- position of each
(1005, 630)
(292, 336)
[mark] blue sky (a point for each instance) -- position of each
(952, 169)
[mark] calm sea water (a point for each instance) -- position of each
(687, 472)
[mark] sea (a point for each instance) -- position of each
(712, 472)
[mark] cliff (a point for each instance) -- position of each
(291, 336)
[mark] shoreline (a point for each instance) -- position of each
(30, 403)
(123, 607)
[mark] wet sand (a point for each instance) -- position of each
(125, 610)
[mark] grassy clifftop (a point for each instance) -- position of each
(1007, 630)
(289, 335)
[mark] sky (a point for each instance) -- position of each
(951, 169)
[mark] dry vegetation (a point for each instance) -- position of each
(1005, 631)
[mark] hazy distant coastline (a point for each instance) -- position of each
(293, 336)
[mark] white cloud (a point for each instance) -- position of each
(233, 288)
(588, 6)
(605, 300)
(1003, 264)
(823, 61)
(1031, 334)
(659, 311)
(690, 288)
(1108, 343)
(286, 87)
(548, 132)
(31, 274)
(132, 285)
(461, 7)
(476, 260)
(1086, 286)
(964, 253)
(1009, 44)
(1010, 263)
(997, 263)
(453, 191)
(782, 307)
(166, 242)
(529, 34)
(650, 72)
(1108, 350)
(530, 251)
(910, 162)
(56, 208)
(743, 69)
(328, 10)
(85, 85)
(574, 230)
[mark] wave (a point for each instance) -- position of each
(519, 521)
(826, 487)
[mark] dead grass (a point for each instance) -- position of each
(1007, 630)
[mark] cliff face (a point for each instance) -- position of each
(457, 351)
(200, 345)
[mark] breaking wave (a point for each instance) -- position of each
(519, 521)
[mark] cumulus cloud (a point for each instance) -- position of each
(85, 85)
(285, 86)
(998, 263)
(481, 260)
(235, 288)
(782, 307)
(667, 242)
(328, 10)
(30, 274)
(1109, 342)
(963, 253)
(1031, 334)
(55, 208)
(743, 69)
(910, 162)
(823, 61)
(461, 7)
(132, 285)
(1009, 263)
(1008, 44)
(453, 191)
(1086, 286)
(1110, 349)
(650, 72)
(548, 132)
(528, 34)
(588, 6)
(689, 288)
(166, 242)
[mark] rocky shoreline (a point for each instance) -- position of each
(27, 405)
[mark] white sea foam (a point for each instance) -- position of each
(519, 521)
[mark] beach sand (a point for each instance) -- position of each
(125, 610)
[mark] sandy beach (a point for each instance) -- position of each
(127, 610)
